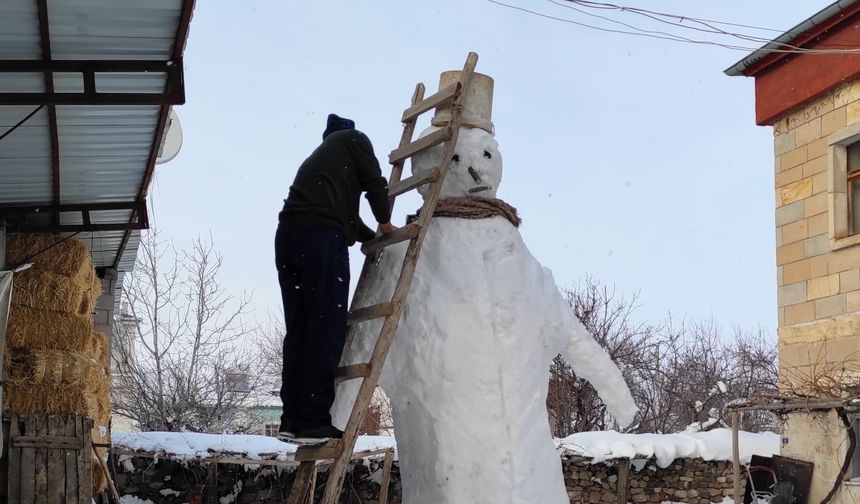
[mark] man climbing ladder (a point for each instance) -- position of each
(318, 223)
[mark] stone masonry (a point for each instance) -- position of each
(692, 481)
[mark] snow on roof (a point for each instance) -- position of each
(665, 448)
(598, 446)
(193, 445)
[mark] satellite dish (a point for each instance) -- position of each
(172, 140)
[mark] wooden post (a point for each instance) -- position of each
(111, 487)
(313, 487)
(386, 477)
(736, 458)
(623, 483)
(212, 484)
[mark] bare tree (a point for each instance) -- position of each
(681, 376)
(179, 357)
(573, 403)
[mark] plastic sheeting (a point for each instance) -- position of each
(5, 301)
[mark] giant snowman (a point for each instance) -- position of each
(468, 371)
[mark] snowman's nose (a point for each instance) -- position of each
(475, 176)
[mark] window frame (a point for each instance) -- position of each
(839, 188)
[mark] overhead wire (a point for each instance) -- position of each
(640, 32)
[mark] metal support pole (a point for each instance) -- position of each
(736, 458)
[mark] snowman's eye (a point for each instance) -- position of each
(488, 155)
(456, 158)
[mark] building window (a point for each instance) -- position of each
(844, 186)
(271, 429)
(853, 176)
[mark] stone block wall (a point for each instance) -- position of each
(816, 280)
(692, 481)
(818, 272)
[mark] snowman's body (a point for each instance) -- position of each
(468, 371)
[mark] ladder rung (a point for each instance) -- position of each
(431, 101)
(405, 233)
(370, 312)
(423, 143)
(352, 372)
(325, 451)
(412, 182)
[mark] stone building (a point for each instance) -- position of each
(812, 102)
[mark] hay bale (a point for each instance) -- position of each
(48, 292)
(50, 330)
(40, 367)
(48, 399)
(69, 258)
(91, 295)
(98, 349)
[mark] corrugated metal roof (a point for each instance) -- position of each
(103, 150)
(25, 157)
(113, 29)
(19, 30)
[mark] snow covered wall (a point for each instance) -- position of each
(468, 371)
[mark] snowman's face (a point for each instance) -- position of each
(475, 168)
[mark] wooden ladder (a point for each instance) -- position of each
(340, 451)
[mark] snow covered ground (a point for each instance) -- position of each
(599, 446)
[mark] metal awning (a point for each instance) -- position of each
(86, 87)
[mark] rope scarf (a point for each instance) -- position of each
(473, 207)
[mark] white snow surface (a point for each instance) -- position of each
(665, 448)
(598, 445)
(468, 372)
(194, 445)
(131, 499)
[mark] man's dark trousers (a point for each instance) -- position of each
(313, 270)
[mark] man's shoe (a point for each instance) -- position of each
(287, 432)
(318, 435)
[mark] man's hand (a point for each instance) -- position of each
(387, 228)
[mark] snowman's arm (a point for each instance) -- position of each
(588, 359)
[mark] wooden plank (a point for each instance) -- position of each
(41, 423)
(369, 313)
(407, 232)
(412, 182)
(433, 139)
(71, 462)
(323, 451)
(623, 483)
(28, 467)
(301, 483)
(104, 468)
(50, 442)
(5, 426)
(312, 489)
(386, 477)
(83, 427)
(56, 462)
(434, 100)
(15, 478)
(212, 484)
(386, 334)
(352, 372)
(736, 459)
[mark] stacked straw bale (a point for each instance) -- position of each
(55, 362)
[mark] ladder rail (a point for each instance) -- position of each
(383, 343)
(362, 286)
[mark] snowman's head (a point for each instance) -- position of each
(475, 168)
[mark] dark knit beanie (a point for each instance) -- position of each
(337, 123)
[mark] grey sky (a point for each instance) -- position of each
(634, 160)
